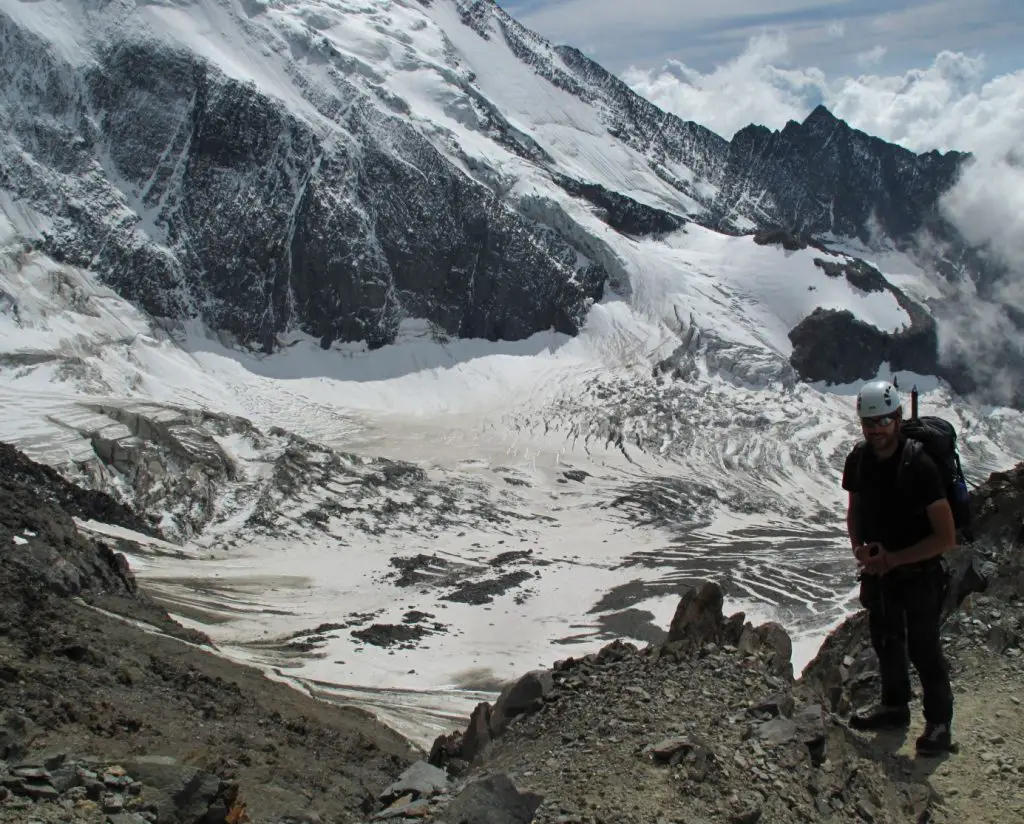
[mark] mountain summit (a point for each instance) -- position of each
(824, 177)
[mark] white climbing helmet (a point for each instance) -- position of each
(877, 398)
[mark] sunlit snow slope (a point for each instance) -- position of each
(407, 527)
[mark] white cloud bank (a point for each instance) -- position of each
(942, 106)
(947, 105)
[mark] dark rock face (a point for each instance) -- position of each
(524, 695)
(824, 176)
(623, 213)
(857, 272)
(777, 236)
(51, 489)
(698, 616)
(255, 221)
(998, 515)
(45, 551)
(834, 346)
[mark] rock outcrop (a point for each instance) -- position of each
(20, 474)
(706, 723)
(834, 346)
(44, 550)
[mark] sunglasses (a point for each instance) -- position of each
(873, 423)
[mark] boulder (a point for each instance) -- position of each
(774, 706)
(524, 695)
(669, 749)
(478, 733)
(16, 734)
(776, 732)
(811, 732)
(772, 638)
(445, 749)
(698, 618)
(492, 800)
(421, 780)
(179, 793)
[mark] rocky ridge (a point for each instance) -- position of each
(710, 726)
(860, 186)
(111, 712)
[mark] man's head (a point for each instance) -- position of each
(880, 411)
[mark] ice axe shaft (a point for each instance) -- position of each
(913, 402)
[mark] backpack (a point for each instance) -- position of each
(936, 437)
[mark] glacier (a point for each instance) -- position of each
(432, 352)
(579, 488)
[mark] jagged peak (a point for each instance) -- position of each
(821, 114)
(821, 122)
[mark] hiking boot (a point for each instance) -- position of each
(881, 717)
(935, 739)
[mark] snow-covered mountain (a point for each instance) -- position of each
(337, 167)
(433, 350)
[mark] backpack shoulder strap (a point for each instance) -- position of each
(911, 449)
(959, 468)
(859, 449)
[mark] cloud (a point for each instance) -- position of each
(948, 104)
(872, 56)
(986, 332)
(837, 28)
(984, 338)
(988, 207)
(751, 88)
(952, 103)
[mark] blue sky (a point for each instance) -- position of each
(837, 36)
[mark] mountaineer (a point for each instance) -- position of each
(900, 524)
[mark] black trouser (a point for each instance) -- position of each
(904, 614)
